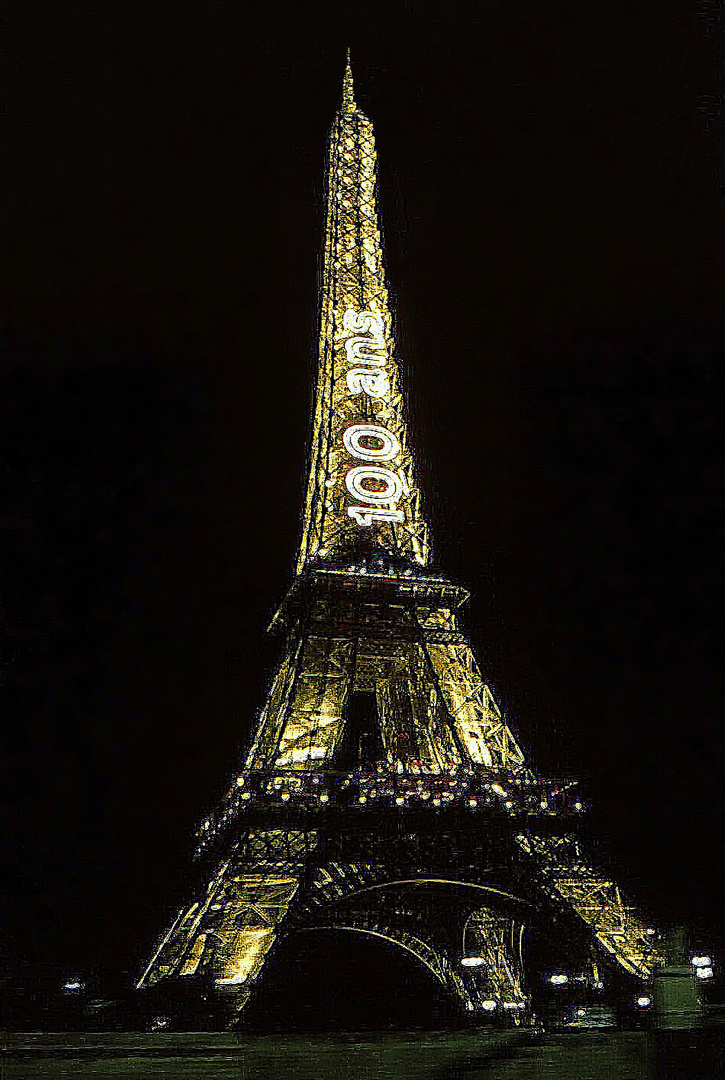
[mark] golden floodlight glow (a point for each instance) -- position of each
(378, 702)
(359, 410)
(249, 950)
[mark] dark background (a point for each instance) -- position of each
(552, 200)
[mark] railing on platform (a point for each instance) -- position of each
(389, 785)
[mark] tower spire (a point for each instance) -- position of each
(348, 89)
(362, 494)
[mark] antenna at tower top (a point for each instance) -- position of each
(348, 90)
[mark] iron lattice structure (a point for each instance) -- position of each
(384, 793)
(358, 390)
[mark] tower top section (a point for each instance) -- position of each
(362, 500)
(348, 89)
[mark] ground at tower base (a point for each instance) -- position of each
(573, 1055)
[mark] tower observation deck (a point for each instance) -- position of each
(384, 793)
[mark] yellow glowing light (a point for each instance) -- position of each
(249, 950)
(379, 626)
(358, 382)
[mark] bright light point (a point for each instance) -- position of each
(436, 802)
(472, 961)
(285, 796)
(650, 930)
(704, 972)
(74, 984)
(514, 1005)
(581, 1012)
(246, 795)
(240, 781)
(363, 799)
(578, 806)
(324, 798)
(558, 980)
(399, 801)
(701, 961)
(644, 1001)
(473, 802)
(488, 1006)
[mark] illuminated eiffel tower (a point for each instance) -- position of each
(384, 793)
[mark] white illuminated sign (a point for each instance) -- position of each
(357, 478)
(378, 488)
(373, 383)
(388, 449)
(366, 515)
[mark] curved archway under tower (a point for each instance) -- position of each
(341, 979)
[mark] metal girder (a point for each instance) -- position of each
(495, 939)
(596, 900)
(478, 721)
(416, 946)
(227, 934)
(434, 708)
(475, 955)
(170, 953)
(314, 716)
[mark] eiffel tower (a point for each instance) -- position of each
(384, 793)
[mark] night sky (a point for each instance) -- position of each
(553, 212)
